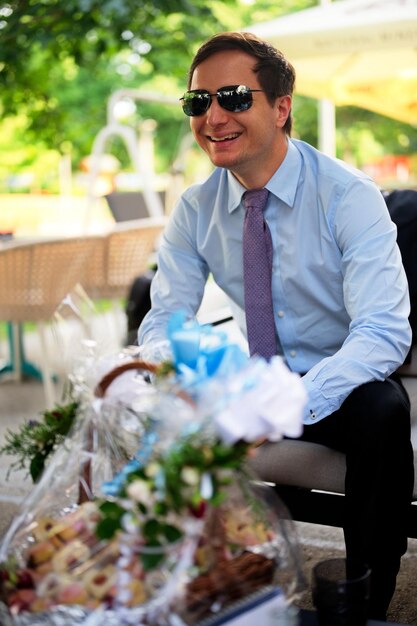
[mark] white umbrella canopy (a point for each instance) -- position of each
(353, 52)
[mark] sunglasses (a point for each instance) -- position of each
(234, 98)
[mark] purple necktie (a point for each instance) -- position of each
(257, 272)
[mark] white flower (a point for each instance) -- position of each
(265, 401)
(139, 491)
(152, 469)
(190, 476)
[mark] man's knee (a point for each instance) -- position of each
(381, 406)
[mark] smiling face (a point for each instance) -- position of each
(250, 143)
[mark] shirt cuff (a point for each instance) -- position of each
(318, 406)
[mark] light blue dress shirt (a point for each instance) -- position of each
(339, 288)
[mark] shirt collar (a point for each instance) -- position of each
(236, 191)
(283, 183)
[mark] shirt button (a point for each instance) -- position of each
(293, 353)
(280, 313)
(313, 415)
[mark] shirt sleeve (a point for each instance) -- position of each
(376, 298)
(181, 275)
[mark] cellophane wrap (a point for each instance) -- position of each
(171, 527)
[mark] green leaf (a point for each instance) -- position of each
(142, 508)
(151, 529)
(112, 510)
(172, 533)
(161, 508)
(36, 467)
(150, 561)
(106, 528)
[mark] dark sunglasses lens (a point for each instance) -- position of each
(195, 103)
(235, 99)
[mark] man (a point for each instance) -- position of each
(340, 304)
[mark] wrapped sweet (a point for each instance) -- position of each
(50, 564)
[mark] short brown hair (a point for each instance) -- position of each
(276, 75)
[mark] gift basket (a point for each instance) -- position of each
(181, 532)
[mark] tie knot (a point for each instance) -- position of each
(255, 198)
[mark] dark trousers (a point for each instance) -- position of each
(373, 428)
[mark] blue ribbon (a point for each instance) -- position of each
(201, 352)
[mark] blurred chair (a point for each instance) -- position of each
(35, 277)
(125, 253)
(130, 205)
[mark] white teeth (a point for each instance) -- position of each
(232, 136)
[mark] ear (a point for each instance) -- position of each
(283, 109)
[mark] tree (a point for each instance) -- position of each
(38, 35)
(60, 61)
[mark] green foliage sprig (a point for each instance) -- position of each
(36, 440)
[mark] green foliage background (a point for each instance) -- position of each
(61, 60)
